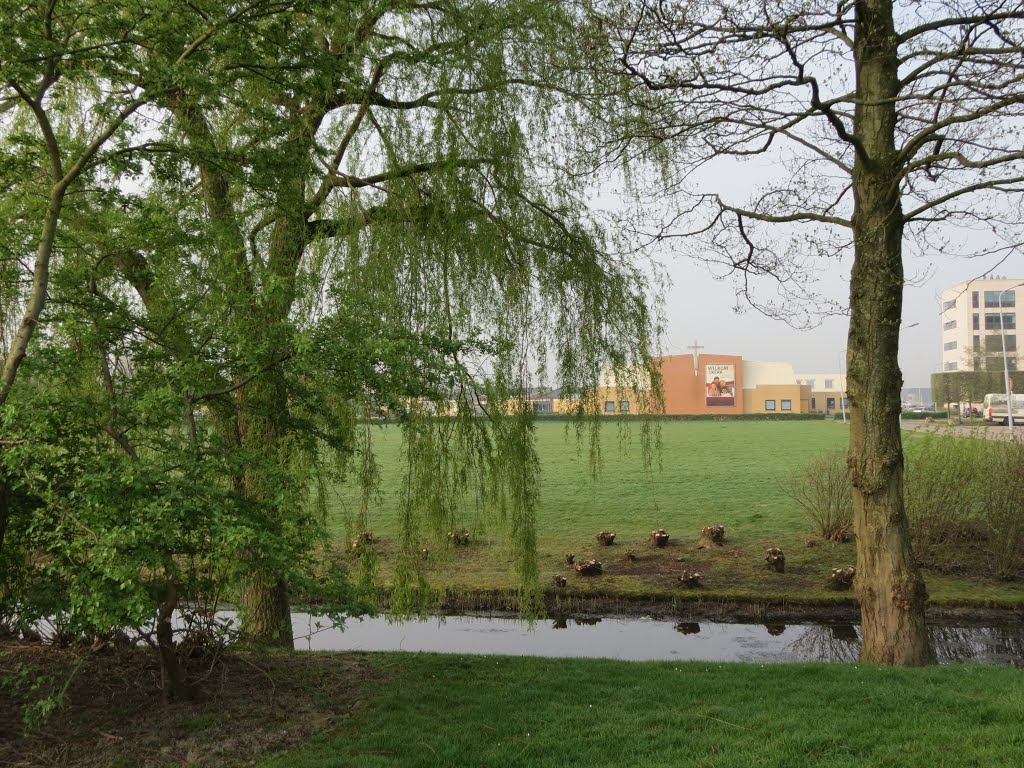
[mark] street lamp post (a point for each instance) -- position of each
(1006, 362)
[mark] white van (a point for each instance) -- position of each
(995, 410)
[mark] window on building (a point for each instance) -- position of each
(996, 364)
(994, 343)
(828, 383)
(949, 345)
(949, 366)
(623, 406)
(814, 405)
(948, 304)
(977, 322)
(609, 406)
(787, 405)
(543, 406)
(769, 405)
(810, 383)
(830, 404)
(949, 326)
(992, 299)
(977, 342)
(974, 299)
(992, 321)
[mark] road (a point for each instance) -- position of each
(973, 428)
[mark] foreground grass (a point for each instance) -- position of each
(730, 473)
(431, 710)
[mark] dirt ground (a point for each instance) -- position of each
(248, 706)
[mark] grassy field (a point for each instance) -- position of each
(426, 710)
(729, 473)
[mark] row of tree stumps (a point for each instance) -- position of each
(710, 536)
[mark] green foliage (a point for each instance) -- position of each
(325, 213)
(963, 502)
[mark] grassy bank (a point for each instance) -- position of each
(320, 710)
(426, 710)
(729, 473)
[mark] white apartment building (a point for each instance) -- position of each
(978, 317)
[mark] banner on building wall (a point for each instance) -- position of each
(721, 384)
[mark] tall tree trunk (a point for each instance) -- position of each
(889, 585)
(263, 416)
(263, 403)
(176, 685)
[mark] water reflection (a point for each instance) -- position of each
(688, 628)
(649, 639)
(826, 642)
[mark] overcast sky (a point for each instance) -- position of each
(696, 296)
(699, 306)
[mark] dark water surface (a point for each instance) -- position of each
(643, 639)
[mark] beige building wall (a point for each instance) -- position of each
(970, 323)
(777, 398)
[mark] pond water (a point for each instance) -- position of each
(642, 639)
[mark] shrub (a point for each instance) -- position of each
(1002, 504)
(942, 484)
(823, 490)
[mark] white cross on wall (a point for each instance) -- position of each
(695, 347)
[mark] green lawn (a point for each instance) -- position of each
(428, 710)
(705, 472)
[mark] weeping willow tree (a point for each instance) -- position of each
(377, 202)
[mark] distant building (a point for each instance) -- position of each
(978, 318)
(703, 384)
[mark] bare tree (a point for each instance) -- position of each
(895, 122)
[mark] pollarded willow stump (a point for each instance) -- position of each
(776, 560)
(361, 539)
(630, 555)
(606, 538)
(658, 538)
(559, 581)
(691, 579)
(712, 536)
(589, 568)
(570, 558)
(459, 537)
(842, 578)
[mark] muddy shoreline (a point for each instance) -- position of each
(697, 608)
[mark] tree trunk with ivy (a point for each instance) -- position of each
(889, 585)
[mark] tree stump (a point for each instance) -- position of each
(776, 560)
(658, 538)
(570, 558)
(691, 579)
(630, 555)
(424, 552)
(559, 581)
(712, 536)
(842, 578)
(589, 568)
(459, 537)
(361, 539)
(606, 538)
(688, 628)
